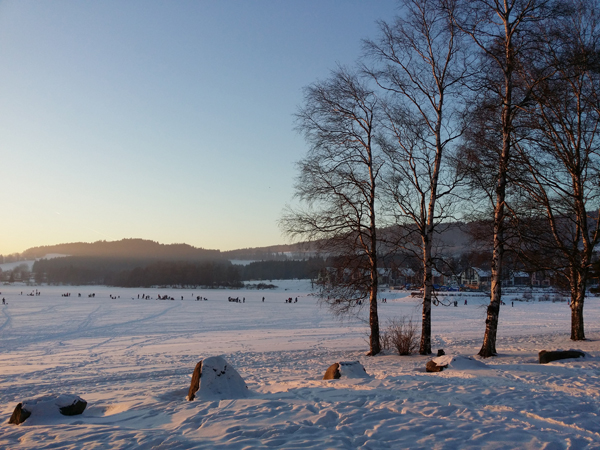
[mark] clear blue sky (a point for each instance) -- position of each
(163, 120)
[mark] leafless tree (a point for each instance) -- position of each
(503, 32)
(337, 188)
(561, 150)
(420, 63)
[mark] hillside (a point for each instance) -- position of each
(452, 239)
(126, 248)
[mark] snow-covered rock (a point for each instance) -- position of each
(47, 407)
(19, 415)
(345, 369)
(217, 380)
(459, 362)
(70, 405)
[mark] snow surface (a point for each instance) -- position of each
(132, 361)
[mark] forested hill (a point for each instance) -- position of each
(126, 248)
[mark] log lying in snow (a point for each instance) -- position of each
(546, 357)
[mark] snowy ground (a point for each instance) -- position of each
(132, 361)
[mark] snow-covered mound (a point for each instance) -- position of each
(50, 408)
(352, 369)
(459, 362)
(220, 380)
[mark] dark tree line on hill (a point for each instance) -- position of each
(183, 274)
(77, 270)
(127, 249)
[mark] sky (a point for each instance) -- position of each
(164, 120)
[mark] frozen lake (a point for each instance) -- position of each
(132, 360)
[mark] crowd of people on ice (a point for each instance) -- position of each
(158, 297)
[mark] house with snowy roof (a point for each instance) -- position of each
(519, 279)
(541, 278)
(476, 278)
(406, 275)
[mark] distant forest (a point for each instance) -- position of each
(127, 272)
(125, 248)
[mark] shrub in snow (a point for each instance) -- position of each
(345, 369)
(400, 335)
(214, 378)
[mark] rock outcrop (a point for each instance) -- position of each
(19, 415)
(70, 405)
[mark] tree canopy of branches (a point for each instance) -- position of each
(503, 33)
(337, 188)
(561, 148)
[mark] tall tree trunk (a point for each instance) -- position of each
(374, 345)
(493, 311)
(578, 287)
(425, 346)
(427, 236)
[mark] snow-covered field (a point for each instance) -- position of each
(132, 361)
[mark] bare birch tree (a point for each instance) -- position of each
(502, 32)
(562, 148)
(419, 61)
(337, 186)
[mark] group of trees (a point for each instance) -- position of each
(18, 273)
(489, 107)
(138, 272)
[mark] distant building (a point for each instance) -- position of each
(540, 278)
(384, 276)
(476, 278)
(519, 279)
(406, 275)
